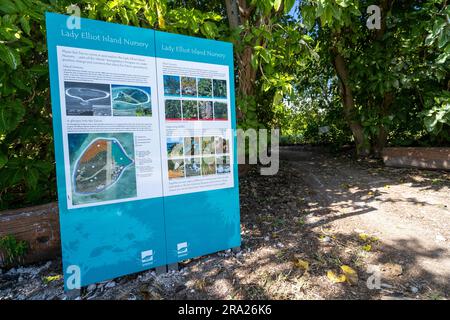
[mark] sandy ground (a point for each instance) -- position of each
(319, 213)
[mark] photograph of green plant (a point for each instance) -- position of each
(220, 88)
(188, 86)
(173, 110)
(204, 88)
(208, 145)
(220, 111)
(205, 110)
(190, 110)
(171, 85)
(208, 165)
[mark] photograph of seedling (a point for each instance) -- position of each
(207, 145)
(205, 110)
(192, 167)
(204, 88)
(190, 110)
(220, 111)
(208, 166)
(176, 168)
(220, 88)
(171, 85)
(188, 86)
(192, 146)
(173, 110)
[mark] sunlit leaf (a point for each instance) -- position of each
(333, 277)
(351, 276)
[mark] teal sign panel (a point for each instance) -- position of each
(145, 147)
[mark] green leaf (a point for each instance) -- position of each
(25, 25)
(10, 177)
(3, 159)
(288, 5)
(32, 178)
(254, 61)
(11, 113)
(443, 40)
(209, 29)
(9, 56)
(265, 55)
(342, 3)
(277, 4)
(8, 7)
(308, 14)
(278, 97)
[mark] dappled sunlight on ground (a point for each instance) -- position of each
(320, 215)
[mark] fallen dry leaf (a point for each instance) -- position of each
(302, 264)
(333, 277)
(391, 269)
(351, 275)
(363, 236)
(52, 278)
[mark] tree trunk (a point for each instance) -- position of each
(362, 145)
(388, 97)
(381, 138)
(232, 13)
(246, 73)
(238, 12)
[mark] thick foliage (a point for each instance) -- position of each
(27, 173)
(398, 75)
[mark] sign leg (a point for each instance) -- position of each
(172, 267)
(73, 294)
(236, 249)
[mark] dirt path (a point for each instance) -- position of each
(317, 214)
(408, 210)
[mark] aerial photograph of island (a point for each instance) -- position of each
(132, 101)
(87, 99)
(102, 167)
